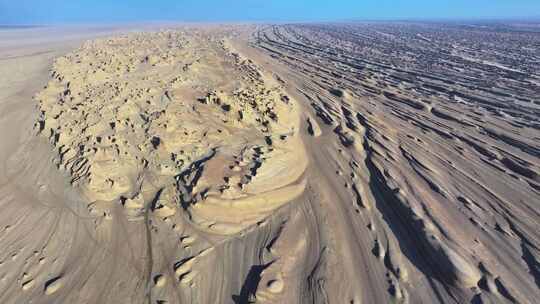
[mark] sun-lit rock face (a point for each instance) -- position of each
(137, 115)
(180, 139)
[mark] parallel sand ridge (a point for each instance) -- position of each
(436, 128)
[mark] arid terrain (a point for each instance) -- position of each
(296, 163)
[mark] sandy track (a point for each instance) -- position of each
(275, 164)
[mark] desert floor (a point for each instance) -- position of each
(315, 163)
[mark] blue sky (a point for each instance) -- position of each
(95, 11)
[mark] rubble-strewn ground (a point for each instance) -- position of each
(335, 163)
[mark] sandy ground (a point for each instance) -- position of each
(260, 164)
(34, 194)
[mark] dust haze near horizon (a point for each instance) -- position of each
(100, 11)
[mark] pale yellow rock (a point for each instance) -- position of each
(160, 281)
(54, 286)
(27, 285)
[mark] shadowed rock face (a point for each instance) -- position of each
(351, 163)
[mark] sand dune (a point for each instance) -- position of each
(353, 163)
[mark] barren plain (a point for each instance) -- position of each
(295, 163)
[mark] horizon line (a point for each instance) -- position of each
(317, 20)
